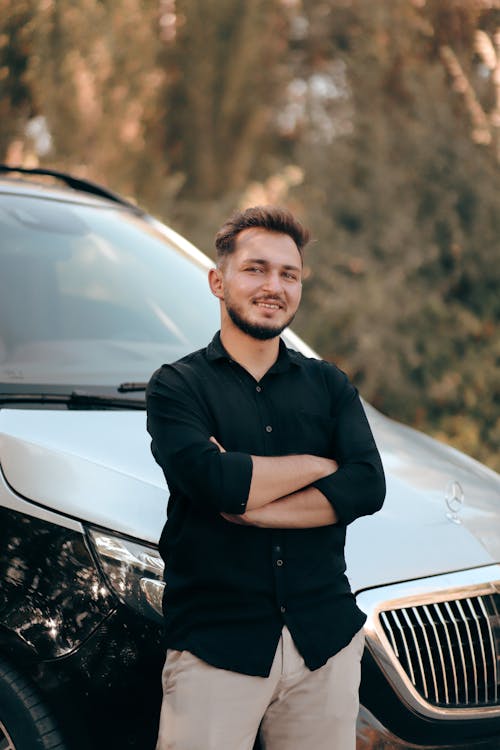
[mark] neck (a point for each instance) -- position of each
(254, 355)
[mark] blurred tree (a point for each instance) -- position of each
(227, 65)
(172, 100)
(16, 105)
(100, 64)
(92, 74)
(405, 276)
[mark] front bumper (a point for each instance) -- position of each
(372, 735)
(106, 695)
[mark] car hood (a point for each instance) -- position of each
(96, 466)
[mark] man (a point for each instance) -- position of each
(268, 456)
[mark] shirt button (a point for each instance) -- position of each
(269, 428)
(258, 389)
(282, 609)
(277, 549)
(279, 563)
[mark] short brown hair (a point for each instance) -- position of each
(272, 218)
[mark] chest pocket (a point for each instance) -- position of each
(303, 431)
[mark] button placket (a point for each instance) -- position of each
(262, 405)
(278, 563)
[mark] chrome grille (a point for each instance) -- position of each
(450, 650)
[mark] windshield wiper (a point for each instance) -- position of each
(129, 387)
(73, 400)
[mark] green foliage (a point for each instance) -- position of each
(90, 69)
(404, 289)
(226, 74)
(15, 51)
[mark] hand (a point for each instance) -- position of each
(219, 446)
(240, 520)
(334, 465)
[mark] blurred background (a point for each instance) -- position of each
(376, 121)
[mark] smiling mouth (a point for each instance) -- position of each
(268, 305)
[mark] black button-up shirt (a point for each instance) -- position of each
(231, 588)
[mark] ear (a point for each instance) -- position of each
(216, 282)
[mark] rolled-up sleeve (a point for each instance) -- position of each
(357, 488)
(180, 444)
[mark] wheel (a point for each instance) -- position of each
(25, 721)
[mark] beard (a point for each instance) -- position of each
(256, 331)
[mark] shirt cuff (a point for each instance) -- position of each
(332, 489)
(237, 471)
(354, 491)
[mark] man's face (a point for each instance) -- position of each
(261, 282)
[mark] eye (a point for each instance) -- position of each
(290, 276)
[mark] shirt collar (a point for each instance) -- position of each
(215, 351)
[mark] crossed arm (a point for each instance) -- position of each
(280, 494)
(292, 491)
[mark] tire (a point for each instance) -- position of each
(25, 721)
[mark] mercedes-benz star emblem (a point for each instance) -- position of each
(454, 499)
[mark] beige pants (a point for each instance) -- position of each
(205, 708)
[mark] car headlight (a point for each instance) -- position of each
(133, 571)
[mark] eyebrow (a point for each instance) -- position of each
(263, 262)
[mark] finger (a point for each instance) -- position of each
(216, 442)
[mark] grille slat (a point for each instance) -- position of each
(405, 646)
(484, 683)
(438, 648)
(421, 670)
(471, 650)
(429, 657)
(491, 641)
(450, 650)
(388, 630)
(462, 676)
(451, 657)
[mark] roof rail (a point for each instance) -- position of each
(76, 183)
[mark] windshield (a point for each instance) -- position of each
(92, 295)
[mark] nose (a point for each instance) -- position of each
(273, 282)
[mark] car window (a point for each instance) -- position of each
(93, 296)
